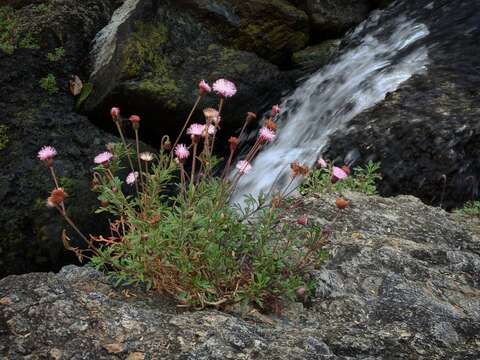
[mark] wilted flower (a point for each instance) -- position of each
(132, 178)
(47, 153)
(210, 114)
(103, 158)
(266, 135)
(250, 117)
(243, 167)
(270, 124)
(146, 156)
(298, 169)
(275, 110)
(115, 112)
(57, 196)
(224, 88)
(341, 203)
(196, 130)
(233, 141)
(321, 164)
(338, 173)
(181, 152)
(204, 88)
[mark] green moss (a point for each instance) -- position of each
(49, 84)
(143, 59)
(11, 37)
(3, 137)
(56, 54)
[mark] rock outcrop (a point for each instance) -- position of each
(42, 45)
(427, 134)
(401, 281)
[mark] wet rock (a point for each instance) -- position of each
(34, 117)
(427, 134)
(315, 57)
(384, 292)
(334, 17)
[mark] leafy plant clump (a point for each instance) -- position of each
(56, 55)
(471, 208)
(173, 227)
(49, 84)
(363, 179)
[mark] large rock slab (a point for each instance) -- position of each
(31, 118)
(427, 133)
(401, 282)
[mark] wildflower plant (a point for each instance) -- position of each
(329, 178)
(172, 225)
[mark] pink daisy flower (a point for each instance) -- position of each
(115, 112)
(275, 110)
(224, 88)
(321, 163)
(181, 152)
(132, 178)
(47, 153)
(338, 173)
(243, 167)
(266, 135)
(103, 158)
(196, 130)
(204, 88)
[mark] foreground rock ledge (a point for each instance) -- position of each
(402, 282)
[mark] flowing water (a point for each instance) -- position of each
(376, 58)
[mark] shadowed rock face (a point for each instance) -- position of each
(427, 134)
(152, 55)
(29, 232)
(401, 280)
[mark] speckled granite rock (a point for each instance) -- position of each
(402, 282)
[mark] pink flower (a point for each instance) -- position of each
(181, 152)
(115, 112)
(134, 119)
(338, 173)
(103, 158)
(196, 130)
(132, 178)
(266, 135)
(204, 88)
(275, 110)
(224, 88)
(322, 164)
(243, 167)
(47, 153)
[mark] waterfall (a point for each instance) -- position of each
(378, 56)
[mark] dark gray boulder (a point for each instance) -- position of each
(401, 282)
(152, 55)
(32, 116)
(427, 133)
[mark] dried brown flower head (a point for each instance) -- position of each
(233, 141)
(298, 169)
(270, 124)
(57, 197)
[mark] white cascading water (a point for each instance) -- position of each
(359, 78)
